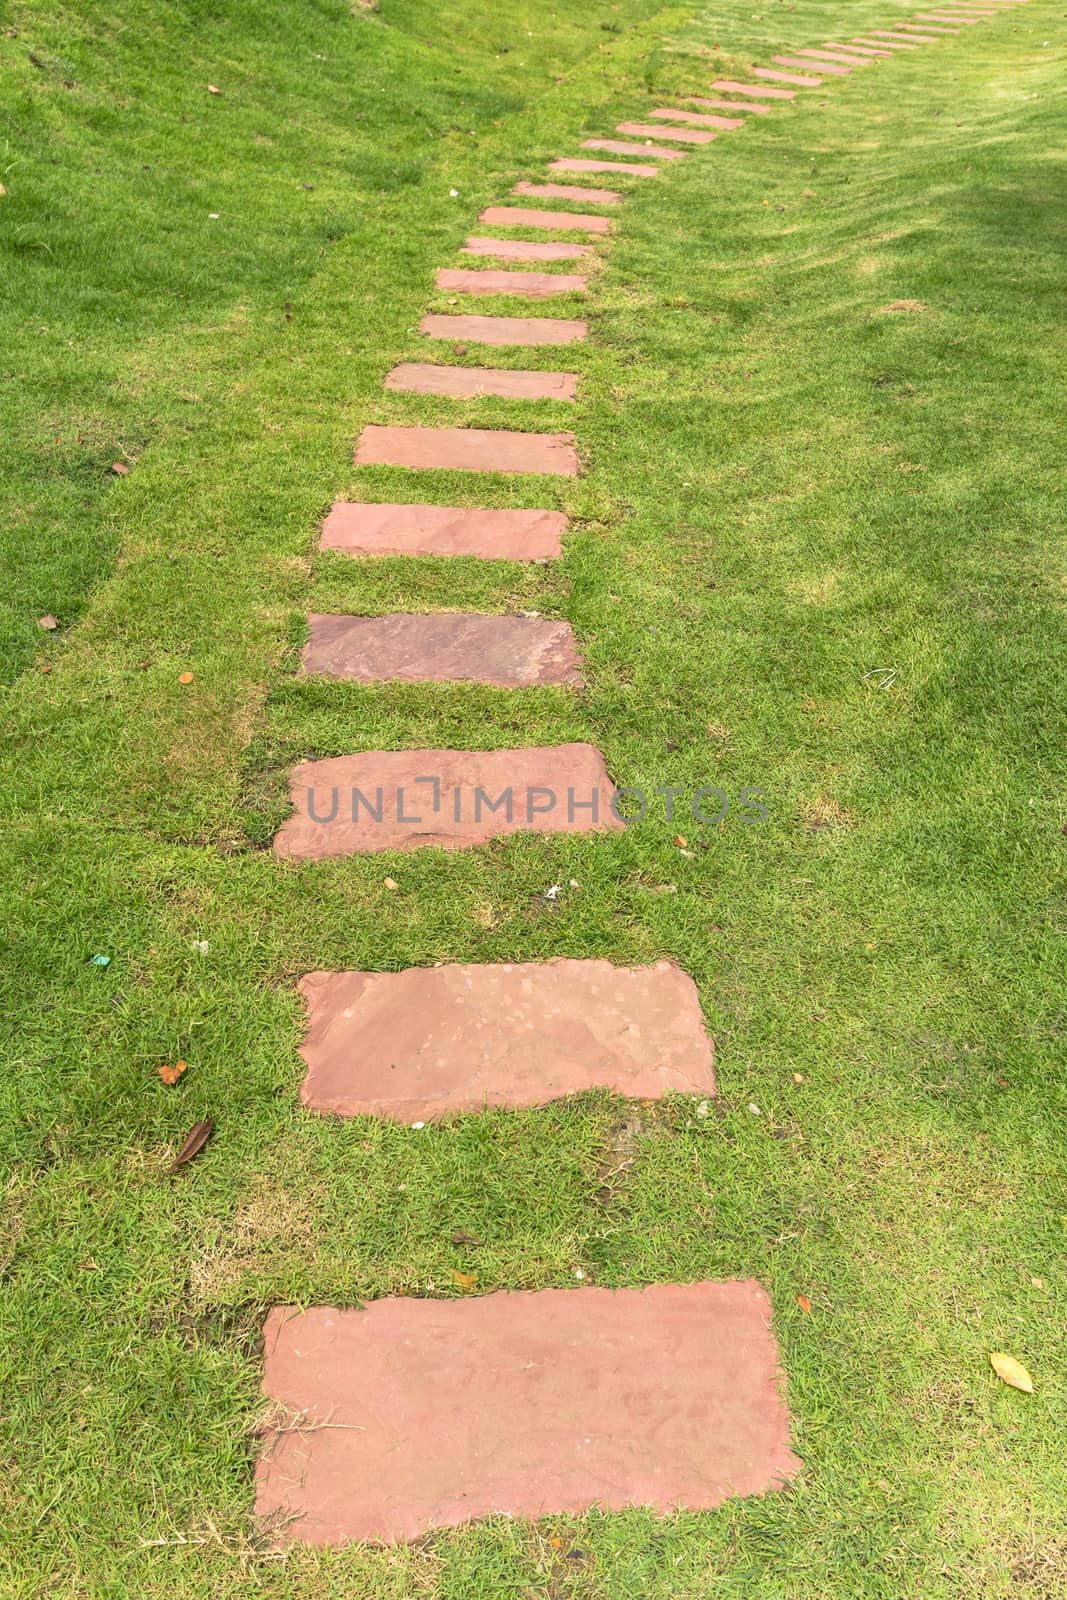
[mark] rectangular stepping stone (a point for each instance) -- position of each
(891, 44)
(525, 249)
(651, 130)
(409, 1414)
(632, 169)
(825, 69)
(860, 50)
(928, 31)
(755, 90)
(422, 530)
(910, 40)
(429, 1041)
(751, 106)
(504, 330)
(833, 55)
(411, 799)
(569, 191)
(467, 450)
(471, 383)
(622, 147)
(787, 77)
(520, 217)
(939, 16)
(443, 647)
(531, 285)
(698, 119)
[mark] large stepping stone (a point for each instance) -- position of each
(632, 169)
(503, 330)
(698, 119)
(443, 647)
(429, 1041)
(859, 50)
(467, 450)
(889, 44)
(410, 799)
(520, 217)
(756, 90)
(834, 55)
(652, 130)
(421, 530)
(408, 1415)
(826, 70)
(786, 77)
(569, 191)
(525, 249)
(622, 147)
(471, 383)
(752, 107)
(531, 285)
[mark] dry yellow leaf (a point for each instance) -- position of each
(464, 1280)
(185, 677)
(1010, 1371)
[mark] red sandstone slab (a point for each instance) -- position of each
(471, 383)
(911, 40)
(630, 169)
(531, 285)
(525, 249)
(622, 147)
(429, 1041)
(569, 191)
(939, 16)
(928, 31)
(859, 49)
(410, 799)
(409, 1415)
(652, 130)
(467, 450)
(504, 330)
(697, 119)
(520, 217)
(731, 105)
(754, 89)
(833, 55)
(421, 530)
(443, 647)
(825, 69)
(786, 77)
(891, 44)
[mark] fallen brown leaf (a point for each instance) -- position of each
(119, 468)
(464, 1280)
(211, 89)
(803, 1302)
(171, 1075)
(461, 1236)
(185, 677)
(199, 1135)
(48, 623)
(1010, 1371)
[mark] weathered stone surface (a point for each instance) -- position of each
(415, 1414)
(443, 647)
(428, 1041)
(754, 89)
(826, 70)
(786, 77)
(913, 43)
(929, 29)
(467, 450)
(530, 285)
(421, 530)
(889, 44)
(630, 169)
(697, 119)
(526, 249)
(752, 107)
(468, 383)
(622, 147)
(653, 130)
(503, 330)
(859, 50)
(520, 217)
(569, 191)
(410, 799)
(940, 16)
(834, 55)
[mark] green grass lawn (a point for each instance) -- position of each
(817, 551)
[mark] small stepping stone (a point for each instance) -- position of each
(731, 105)
(421, 530)
(409, 1414)
(470, 383)
(930, 32)
(825, 69)
(467, 450)
(697, 119)
(913, 40)
(429, 1041)
(650, 130)
(833, 55)
(786, 77)
(519, 217)
(859, 50)
(755, 90)
(620, 147)
(504, 330)
(525, 250)
(939, 16)
(632, 169)
(410, 799)
(569, 191)
(889, 45)
(443, 647)
(531, 285)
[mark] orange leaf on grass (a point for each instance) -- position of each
(803, 1302)
(172, 1074)
(464, 1280)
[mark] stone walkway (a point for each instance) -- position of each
(409, 1414)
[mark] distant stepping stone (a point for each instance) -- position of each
(622, 147)
(519, 217)
(752, 107)
(443, 647)
(630, 169)
(569, 191)
(825, 68)
(429, 1041)
(755, 90)
(504, 330)
(471, 383)
(698, 119)
(833, 55)
(525, 249)
(531, 285)
(411, 1414)
(939, 16)
(860, 50)
(908, 41)
(889, 44)
(422, 530)
(786, 77)
(652, 130)
(411, 799)
(937, 32)
(467, 450)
